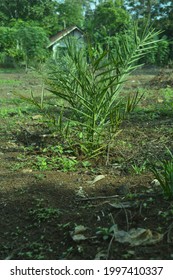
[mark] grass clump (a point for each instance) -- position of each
(164, 174)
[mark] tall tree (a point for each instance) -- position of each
(150, 9)
(158, 12)
(108, 19)
(23, 42)
(71, 13)
(44, 12)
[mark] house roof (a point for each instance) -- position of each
(61, 34)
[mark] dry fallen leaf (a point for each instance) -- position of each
(119, 205)
(136, 237)
(77, 235)
(96, 179)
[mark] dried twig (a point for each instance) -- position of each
(97, 197)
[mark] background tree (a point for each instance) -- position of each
(43, 12)
(32, 42)
(23, 42)
(160, 14)
(71, 13)
(8, 45)
(108, 19)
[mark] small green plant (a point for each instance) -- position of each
(35, 250)
(6, 112)
(105, 233)
(164, 175)
(39, 176)
(55, 157)
(17, 232)
(86, 164)
(166, 215)
(17, 166)
(42, 214)
(167, 94)
(139, 169)
(41, 163)
(67, 164)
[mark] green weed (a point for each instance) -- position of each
(43, 214)
(105, 232)
(17, 166)
(62, 163)
(35, 250)
(164, 174)
(41, 163)
(139, 169)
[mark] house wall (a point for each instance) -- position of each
(62, 43)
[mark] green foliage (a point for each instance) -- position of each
(105, 233)
(160, 54)
(24, 42)
(43, 13)
(59, 159)
(9, 82)
(167, 94)
(139, 169)
(42, 214)
(8, 43)
(89, 82)
(32, 42)
(70, 14)
(164, 174)
(107, 20)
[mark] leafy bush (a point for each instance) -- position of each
(160, 54)
(23, 42)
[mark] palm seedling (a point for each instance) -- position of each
(89, 81)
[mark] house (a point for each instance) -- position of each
(58, 41)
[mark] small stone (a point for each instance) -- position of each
(155, 183)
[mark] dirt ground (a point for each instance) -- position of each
(103, 211)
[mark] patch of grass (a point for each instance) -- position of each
(43, 214)
(34, 250)
(40, 214)
(9, 112)
(62, 163)
(12, 101)
(17, 166)
(10, 70)
(9, 82)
